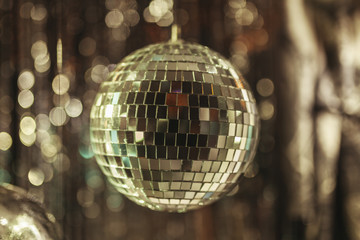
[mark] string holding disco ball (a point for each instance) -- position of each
(174, 126)
(22, 218)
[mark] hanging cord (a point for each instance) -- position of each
(175, 27)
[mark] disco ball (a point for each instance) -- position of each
(22, 218)
(174, 126)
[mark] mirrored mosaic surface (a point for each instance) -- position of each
(174, 126)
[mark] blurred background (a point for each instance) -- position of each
(300, 57)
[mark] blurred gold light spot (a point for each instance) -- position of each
(42, 60)
(265, 87)
(26, 80)
(114, 19)
(38, 12)
(74, 107)
(266, 110)
(132, 17)
(57, 116)
(252, 8)
(59, 56)
(244, 17)
(42, 63)
(42, 121)
(99, 73)
(159, 11)
(158, 8)
(5, 141)
(27, 125)
(166, 20)
(48, 149)
(36, 176)
(25, 10)
(27, 139)
(149, 17)
(48, 171)
(85, 197)
(121, 33)
(87, 46)
(41, 136)
(60, 84)
(239, 47)
(241, 61)
(26, 98)
(39, 48)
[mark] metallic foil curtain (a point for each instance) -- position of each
(319, 157)
(300, 58)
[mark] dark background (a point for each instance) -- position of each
(300, 58)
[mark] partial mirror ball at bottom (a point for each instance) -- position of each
(22, 218)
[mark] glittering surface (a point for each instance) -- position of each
(22, 218)
(174, 126)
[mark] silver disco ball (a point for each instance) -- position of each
(22, 218)
(174, 126)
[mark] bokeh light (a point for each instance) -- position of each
(266, 110)
(160, 12)
(26, 98)
(26, 80)
(114, 19)
(39, 49)
(74, 107)
(99, 73)
(5, 141)
(42, 121)
(38, 12)
(36, 176)
(57, 116)
(131, 17)
(265, 87)
(27, 125)
(27, 139)
(85, 197)
(60, 84)
(42, 63)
